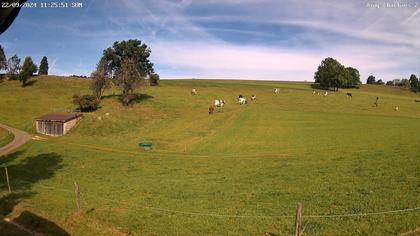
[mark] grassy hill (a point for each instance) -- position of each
(333, 154)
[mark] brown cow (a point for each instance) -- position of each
(211, 110)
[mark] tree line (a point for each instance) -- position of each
(331, 74)
(16, 71)
(413, 83)
(126, 65)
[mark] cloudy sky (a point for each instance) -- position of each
(236, 39)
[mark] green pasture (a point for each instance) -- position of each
(333, 154)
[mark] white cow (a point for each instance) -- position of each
(325, 94)
(276, 90)
(194, 91)
(219, 102)
(253, 97)
(242, 100)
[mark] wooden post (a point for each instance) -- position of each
(298, 220)
(7, 179)
(77, 193)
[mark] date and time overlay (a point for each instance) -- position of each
(45, 5)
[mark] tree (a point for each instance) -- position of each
(133, 50)
(154, 79)
(128, 78)
(404, 83)
(100, 79)
(3, 61)
(352, 79)
(13, 67)
(380, 82)
(43, 66)
(28, 69)
(371, 80)
(331, 74)
(414, 83)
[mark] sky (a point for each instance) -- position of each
(226, 39)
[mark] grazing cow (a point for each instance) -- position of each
(253, 97)
(313, 92)
(242, 100)
(211, 110)
(325, 94)
(219, 103)
(376, 102)
(276, 90)
(396, 108)
(349, 95)
(194, 91)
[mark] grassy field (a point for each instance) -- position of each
(5, 137)
(333, 154)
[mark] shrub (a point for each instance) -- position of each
(154, 79)
(86, 103)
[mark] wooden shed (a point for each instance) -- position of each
(57, 124)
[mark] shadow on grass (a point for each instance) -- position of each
(319, 87)
(23, 176)
(4, 160)
(30, 224)
(137, 97)
(29, 83)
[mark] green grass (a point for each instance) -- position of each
(5, 137)
(333, 154)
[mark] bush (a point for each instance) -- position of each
(86, 103)
(154, 79)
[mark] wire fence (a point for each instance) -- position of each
(131, 205)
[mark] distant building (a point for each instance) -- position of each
(57, 124)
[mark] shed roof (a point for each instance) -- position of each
(59, 116)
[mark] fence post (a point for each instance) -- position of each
(7, 179)
(77, 193)
(298, 220)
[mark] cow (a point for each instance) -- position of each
(211, 110)
(276, 90)
(349, 95)
(242, 100)
(376, 104)
(396, 108)
(219, 103)
(194, 91)
(313, 92)
(253, 97)
(326, 93)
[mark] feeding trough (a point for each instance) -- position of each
(145, 146)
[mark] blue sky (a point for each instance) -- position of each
(258, 39)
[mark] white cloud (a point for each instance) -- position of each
(221, 60)
(185, 41)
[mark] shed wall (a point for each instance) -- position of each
(70, 124)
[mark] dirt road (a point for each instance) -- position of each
(21, 138)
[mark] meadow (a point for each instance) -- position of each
(333, 154)
(5, 137)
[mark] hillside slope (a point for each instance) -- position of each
(334, 154)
